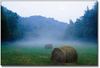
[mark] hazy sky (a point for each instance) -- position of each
(59, 10)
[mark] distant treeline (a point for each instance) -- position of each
(85, 28)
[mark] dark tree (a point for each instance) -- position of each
(9, 29)
(86, 27)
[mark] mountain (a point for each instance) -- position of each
(42, 27)
(15, 27)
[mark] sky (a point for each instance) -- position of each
(59, 10)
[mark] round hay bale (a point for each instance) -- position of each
(48, 46)
(65, 54)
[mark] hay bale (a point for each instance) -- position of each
(65, 54)
(48, 46)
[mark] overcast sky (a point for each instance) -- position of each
(59, 10)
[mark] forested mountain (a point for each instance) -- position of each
(15, 27)
(42, 27)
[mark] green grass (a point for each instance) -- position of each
(35, 55)
(87, 55)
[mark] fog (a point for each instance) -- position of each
(39, 30)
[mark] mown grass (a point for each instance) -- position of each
(87, 55)
(34, 55)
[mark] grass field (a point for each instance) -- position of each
(13, 54)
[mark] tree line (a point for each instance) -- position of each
(84, 28)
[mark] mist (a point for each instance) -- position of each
(38, 29)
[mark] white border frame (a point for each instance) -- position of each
(55, 66)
